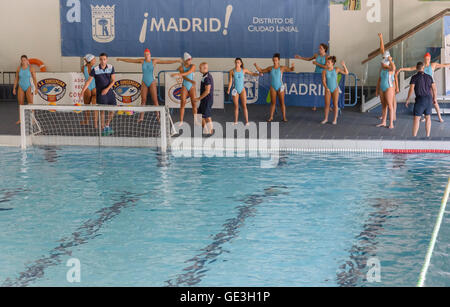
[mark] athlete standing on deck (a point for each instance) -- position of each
(319, 60)
(330, 82)
(148, 78)
(276, 84)
(23, 75)
(186, 71)
(237, 80)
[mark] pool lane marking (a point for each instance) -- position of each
(8, 195)
(434, 236)
(230, 231)
(87, 231)
(353, 269)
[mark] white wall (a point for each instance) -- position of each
(32, 27)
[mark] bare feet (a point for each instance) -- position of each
(18, 122)
(270, 120)
(314, 109)
(180, 124)
(382, 125)
(391, 126)
(423, 119)
(335, 123)
(441, 120)
(285, 120)
(324, 122)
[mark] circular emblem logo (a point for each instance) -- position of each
(175, 92)
(51, 90)
(127, 91)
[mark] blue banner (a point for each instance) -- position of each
(204, 28)
(303, 90)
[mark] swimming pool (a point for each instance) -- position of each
(134, 217)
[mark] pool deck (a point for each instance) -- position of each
(355, 130)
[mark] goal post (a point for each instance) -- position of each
(146, 126)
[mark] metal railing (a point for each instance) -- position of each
(351, 91)
(7, 77)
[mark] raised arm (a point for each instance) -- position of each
(263, 71)
(158, 61)
(439, 65)
(382, 50)
(16, 81)
(248, 72)
(298, 57)
(288, 69)
(342, 71)
(184, 74)
(413, 68)
(133, 61)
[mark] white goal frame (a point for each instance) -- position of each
(27, 138)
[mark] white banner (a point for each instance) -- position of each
(447, 53)
(173, 90)
(65, 89)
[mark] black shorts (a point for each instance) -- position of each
(424, 105)
(108, 99)
(205, 108)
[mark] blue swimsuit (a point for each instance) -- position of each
(429, 70)
(276, 79)
(387, 80)
(24, 78)
(147, 70)
(332, 80)
(186, 84)
(239, 81)
(86, 77)
(322, 60)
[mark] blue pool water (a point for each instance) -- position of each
(136, 218)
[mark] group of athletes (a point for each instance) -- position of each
(100, 80)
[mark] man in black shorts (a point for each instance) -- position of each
(206, 98)
(425, 89)
(105, 76)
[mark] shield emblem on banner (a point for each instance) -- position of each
(103, 24)
(251, 85)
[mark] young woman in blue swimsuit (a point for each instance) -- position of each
(330, 82)
(186, 71)
(237, 80)
(90, 95)
(319, 60)
(148, 79)
(276, 84)
(24, 74)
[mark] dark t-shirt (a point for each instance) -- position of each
(207, 79)
(102, 76)
(422, 84)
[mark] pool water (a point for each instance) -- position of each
(135, 217)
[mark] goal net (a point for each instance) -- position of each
(148, 126)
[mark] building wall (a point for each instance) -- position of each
(32, 27)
